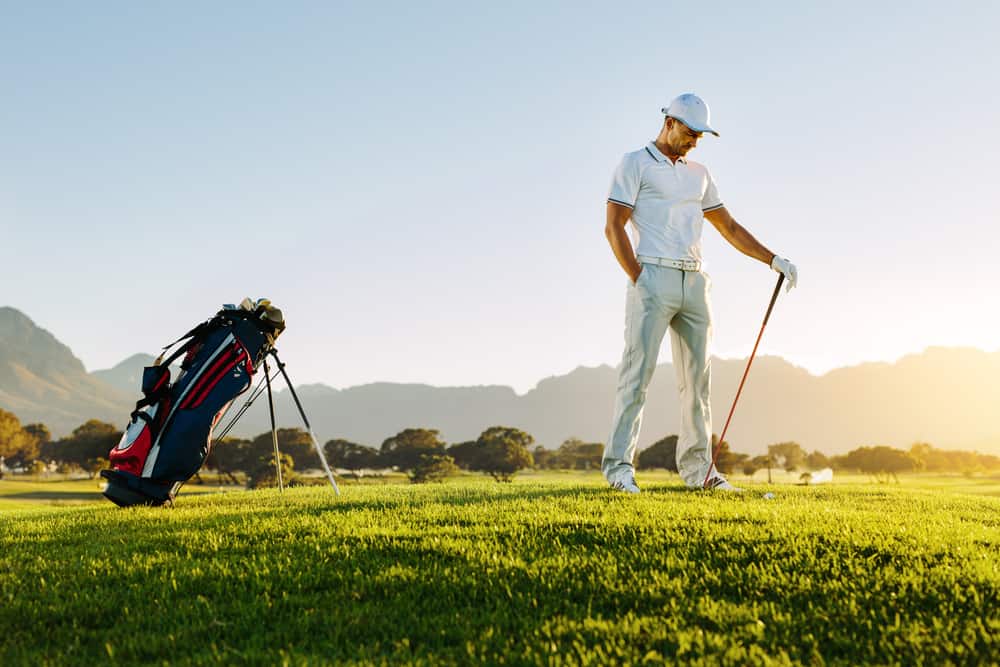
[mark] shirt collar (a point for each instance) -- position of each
(655, 153)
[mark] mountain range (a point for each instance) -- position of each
(42, 381)
(945, 396)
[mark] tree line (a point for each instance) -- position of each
(880, 461)
(499, 451)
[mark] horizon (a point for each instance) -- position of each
(521, 392)
(874, 403)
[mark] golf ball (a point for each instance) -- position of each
(768, 496)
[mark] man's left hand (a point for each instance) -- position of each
(783, 266)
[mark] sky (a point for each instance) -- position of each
(421, 188)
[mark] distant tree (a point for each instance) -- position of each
(51, 451)
(933, 459)
(91, 440)
(752, 465)
(502, 451)
(576, 454)
(17, 445)
(544, 458)
(432, 468)
(29, 451)
(817, 461)
(263, 473)
(661, 454)
(10, 432)
(229, 456)
(880, 462)
(404, 449)
(925, 452)
(839, 462)
(40, 437)
(989, 462)
(292, 441)
(727, 460)
(351, 456)
(95, 465)
(466, 454)
(787, 455)
(40, 432)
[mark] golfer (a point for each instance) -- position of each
(667, 197)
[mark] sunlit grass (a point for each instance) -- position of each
(552, 569)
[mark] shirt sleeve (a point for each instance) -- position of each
(625, 183)
(710, 199)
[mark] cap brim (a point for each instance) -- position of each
(696, 129)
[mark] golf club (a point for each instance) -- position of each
(722, 438)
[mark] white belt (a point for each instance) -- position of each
(682, 264)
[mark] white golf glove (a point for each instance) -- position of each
(782, 265)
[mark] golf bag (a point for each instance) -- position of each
(169, 435)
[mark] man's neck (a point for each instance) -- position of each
(665, 149)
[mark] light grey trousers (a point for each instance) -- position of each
(662, 298)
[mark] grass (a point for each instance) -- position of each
(550, 570)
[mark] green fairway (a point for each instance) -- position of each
(552, 569)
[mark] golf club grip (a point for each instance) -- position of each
(774, 297)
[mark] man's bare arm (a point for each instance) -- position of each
(738, 236)
(621, 245)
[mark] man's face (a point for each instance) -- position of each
(681, 138)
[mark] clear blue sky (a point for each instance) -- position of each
(422, 188)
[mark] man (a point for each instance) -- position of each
(667, 198)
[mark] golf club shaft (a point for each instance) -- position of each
(722, 438)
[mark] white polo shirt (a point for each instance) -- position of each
(668, 201)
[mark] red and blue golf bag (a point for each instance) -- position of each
(169, 435)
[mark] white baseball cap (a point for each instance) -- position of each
(692, 111)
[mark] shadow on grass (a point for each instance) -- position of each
(44, 496)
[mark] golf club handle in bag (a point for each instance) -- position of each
(722, 438)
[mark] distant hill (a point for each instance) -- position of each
(41, 380)
(945, 396)
(126, 376)
(941, 396)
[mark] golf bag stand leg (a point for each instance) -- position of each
(274, 431)
(305, 420)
